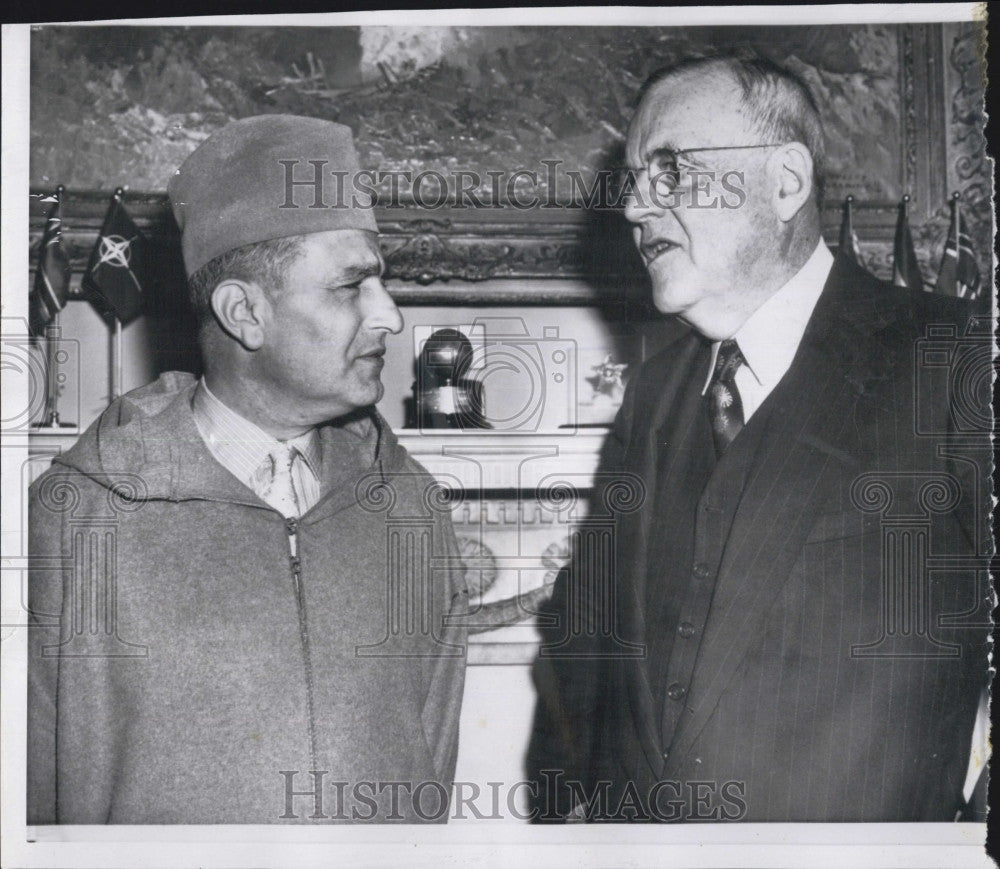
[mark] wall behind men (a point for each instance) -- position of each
(123, 106)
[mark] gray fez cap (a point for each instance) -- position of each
(232, 188)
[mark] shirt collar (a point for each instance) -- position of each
(771, 335)
(237, 443)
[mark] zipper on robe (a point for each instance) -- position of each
(295, 563)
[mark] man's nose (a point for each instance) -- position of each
(381, 311)
(640, 202)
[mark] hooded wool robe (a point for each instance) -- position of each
(194, 657)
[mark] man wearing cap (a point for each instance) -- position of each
(244, 592)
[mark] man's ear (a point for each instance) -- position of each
(240, 307)
(792, 168)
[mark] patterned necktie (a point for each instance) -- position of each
(278, 489)
(727, 407)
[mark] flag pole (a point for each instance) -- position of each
(52, 332)
(955, 197)
(849, 208)
(116, 383)
(846, 225)
(116, 389)
(906, 220)
(955, 224)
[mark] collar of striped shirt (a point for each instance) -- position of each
(239, 445)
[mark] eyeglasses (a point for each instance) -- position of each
(663, 169)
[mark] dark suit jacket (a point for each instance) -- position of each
(836, 672)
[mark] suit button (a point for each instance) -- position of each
(675, 690)
(702, 570)
(685, 629)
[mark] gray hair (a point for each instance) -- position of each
(265, 263)
(777, 101)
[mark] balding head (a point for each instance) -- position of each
(734, 142)
(776, 103)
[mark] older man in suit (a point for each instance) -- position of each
(797, 597)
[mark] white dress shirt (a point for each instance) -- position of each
(244, 449)
(771, 336)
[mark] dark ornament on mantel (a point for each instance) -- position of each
(447, 393)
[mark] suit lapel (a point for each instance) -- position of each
(812, 441)
(647, 451)
(645, 454)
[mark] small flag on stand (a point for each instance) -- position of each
(51, 290)
(905, 269)
(120, 265)
(849, 244)
(959, 275)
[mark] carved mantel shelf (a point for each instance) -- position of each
(506, 461)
